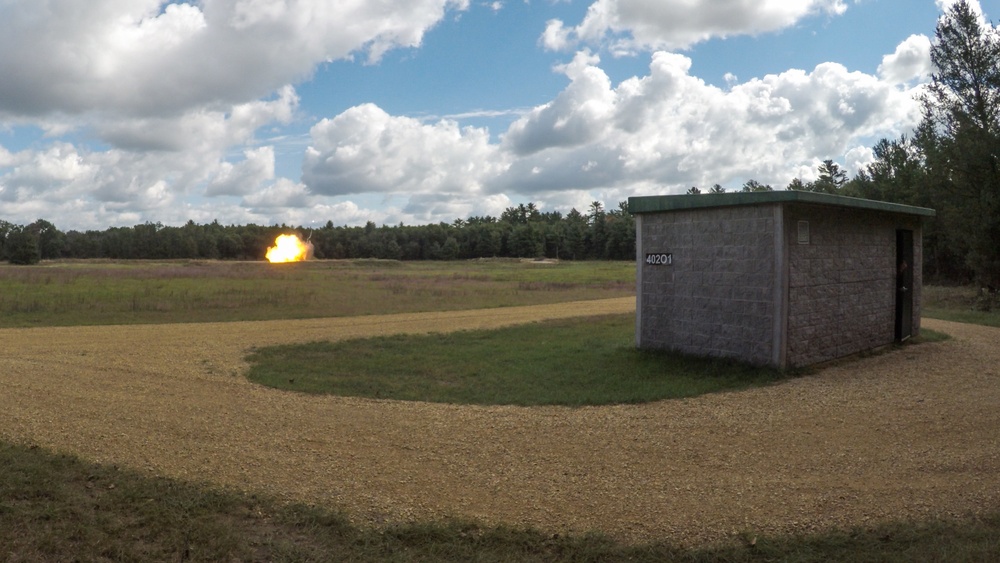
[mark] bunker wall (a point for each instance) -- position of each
(716, 296)
(842, 281)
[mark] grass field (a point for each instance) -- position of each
(956, 304)
(69, 293)
(58, 508)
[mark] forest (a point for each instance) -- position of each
(521, 231)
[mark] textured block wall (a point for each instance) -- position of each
(717, 296)
(842, 284)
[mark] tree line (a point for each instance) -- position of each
(521, 231)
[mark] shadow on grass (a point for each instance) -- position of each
(55, 507)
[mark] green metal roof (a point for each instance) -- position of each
(661, 203)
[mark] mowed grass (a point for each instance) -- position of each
(591, 361)
(59, 508)
(71, 293)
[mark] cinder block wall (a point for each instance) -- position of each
(842, 284)
(717, 298)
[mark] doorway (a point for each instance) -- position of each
(904, 284)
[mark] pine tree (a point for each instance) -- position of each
(959, 136)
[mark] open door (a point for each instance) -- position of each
(904, 284)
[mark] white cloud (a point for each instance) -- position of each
(246, 177)
(148, 58)
(660, 133)
(153, 164)
(556, 36)
(669, 130)
(577, 116)
(364, 149)
(282, 194)
(857, 158)
(58, 164)
(911, 61)
(173, 97)
(629, 25)
(429, 207)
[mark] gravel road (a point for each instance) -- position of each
(911, 433)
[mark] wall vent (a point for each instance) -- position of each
(803, 232)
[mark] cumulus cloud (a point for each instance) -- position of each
(282, 194)
(199, 130)
(856, 159)
(176, 94)
(670, 130)
(246, 177)
(556, 36)
(658, 133)
(149, 57)
(59, 164)
(159, 94)
(577, 115)
(911, 61)
(364, 150)
(151, 165)
(630, 25)
(62, 173)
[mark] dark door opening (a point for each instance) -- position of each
(904, 284)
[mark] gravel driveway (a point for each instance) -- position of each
(907, 434)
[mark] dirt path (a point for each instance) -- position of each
(910, 433)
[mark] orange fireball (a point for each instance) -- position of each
(289, 248)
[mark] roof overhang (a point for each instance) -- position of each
(665, 203)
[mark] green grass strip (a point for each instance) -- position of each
(591, 361)
(960, 304)
(968, 316)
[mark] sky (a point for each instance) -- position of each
(299, 112)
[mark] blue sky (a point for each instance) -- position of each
(119, 112)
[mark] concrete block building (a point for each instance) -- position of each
(782, 278)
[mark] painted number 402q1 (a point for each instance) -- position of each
(659, 259)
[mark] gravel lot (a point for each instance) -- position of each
(907, 434)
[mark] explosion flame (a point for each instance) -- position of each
(289, 248)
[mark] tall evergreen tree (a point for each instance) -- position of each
(895, 175)
(597, 234)
(960, 133)
(831, 178)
